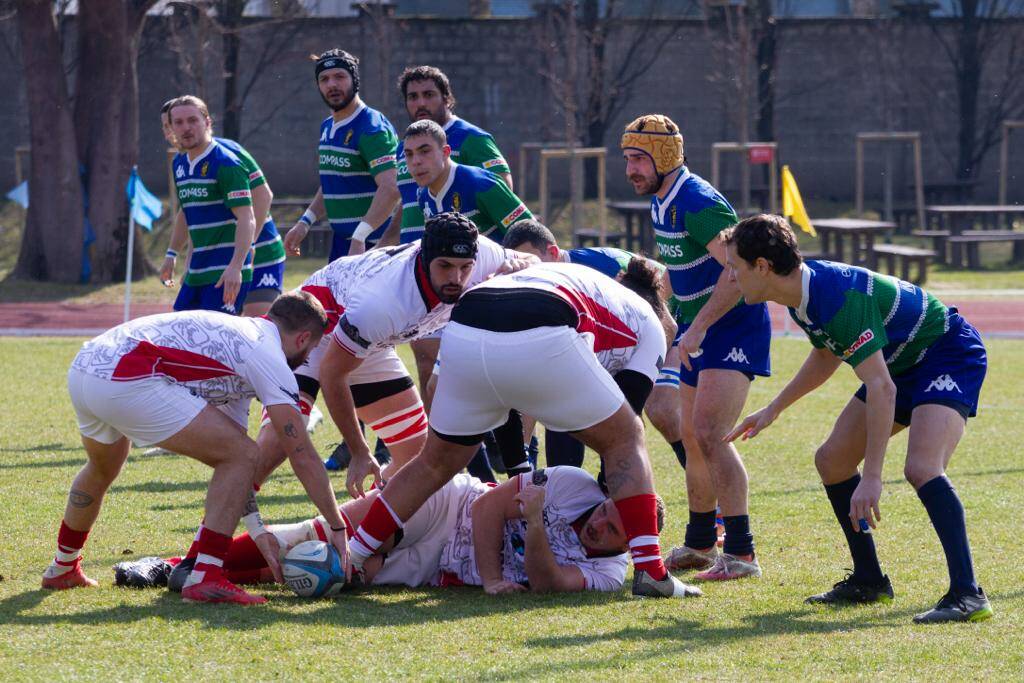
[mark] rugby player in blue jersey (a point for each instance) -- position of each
(922, 366)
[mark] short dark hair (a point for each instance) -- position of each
(428, 73)
(530, 231)
(426, 127)
(769, 237)
(298, 311)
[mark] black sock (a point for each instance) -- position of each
(862, 546)
(532, 451)
(680, 452)
(480, 468)
(700, 531)
(947, 515)
(738, 539)
(562, 448)
(508, 439)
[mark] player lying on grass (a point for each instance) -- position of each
(552, 530)
(922, 366)
(184, 381)
(519, 342)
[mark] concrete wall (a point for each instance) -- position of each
(834, 78)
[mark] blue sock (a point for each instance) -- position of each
(738, 539)
(862, 546)
(700, 531)
(947, 515)
(532, 451)
(480, 468)
(677, 447)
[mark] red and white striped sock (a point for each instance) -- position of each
(69, 550)
(379, 525)
(213, 548)
(640, 521)
(402, 425)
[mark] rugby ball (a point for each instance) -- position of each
(312, 569)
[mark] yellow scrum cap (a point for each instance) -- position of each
(657, 136)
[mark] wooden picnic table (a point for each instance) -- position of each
(639, 227)
(861, 232)
(954, 220)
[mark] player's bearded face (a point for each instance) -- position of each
(190, 127)
(424, 101)
(603, 530)
(297, 356)
(640, 172)
(448, 277)
(336, 88)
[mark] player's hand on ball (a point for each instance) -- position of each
(293, 239)
(864, 503)
(753, 424)
(271, 550)
(531, 502)
(339, 539)
(517, 263)
(359, 468)
(500, 587)
(689, 345)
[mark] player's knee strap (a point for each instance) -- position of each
(305, 407)
(401, 425)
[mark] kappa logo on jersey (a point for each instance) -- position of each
(268, 280)
(737, 356)
(491, 163)
(864, 338)
(323, 136)
(180, 173)
(944, 383)
(427, 212)
(204, 168)
(511, 218)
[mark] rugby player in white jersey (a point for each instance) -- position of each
(184, 381)
(574, 349)
(551, 530)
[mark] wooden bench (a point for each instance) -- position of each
(585, 237)
(906, 257)
(938, 238)
(972, 238)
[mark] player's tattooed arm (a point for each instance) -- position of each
(79, 499)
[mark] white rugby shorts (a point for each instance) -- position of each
(147, 410)
(379, 366)
(415, 560)
(550, 373)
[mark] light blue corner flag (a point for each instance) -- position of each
(145, 207)
(19, 195)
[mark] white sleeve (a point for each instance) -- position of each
(268, 373)
(650, 351)
(489, 257)
(362, 329)
(604, 573)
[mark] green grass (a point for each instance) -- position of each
(752, 630)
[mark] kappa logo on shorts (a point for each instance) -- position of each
(737, 356)
(268, 280)
(944, 383)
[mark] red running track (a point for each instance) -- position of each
(994, 317)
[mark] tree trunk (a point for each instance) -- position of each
(107, 127)
(51, 247)
(230, 13)
(968, 82)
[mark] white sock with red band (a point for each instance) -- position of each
(69, 551)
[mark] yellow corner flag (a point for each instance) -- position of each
(792, 204)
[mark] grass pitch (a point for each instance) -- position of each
(751, 629)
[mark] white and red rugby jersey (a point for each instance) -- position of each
(383, 298)
(624, 330)
(220, 358)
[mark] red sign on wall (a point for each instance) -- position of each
(761, 154)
